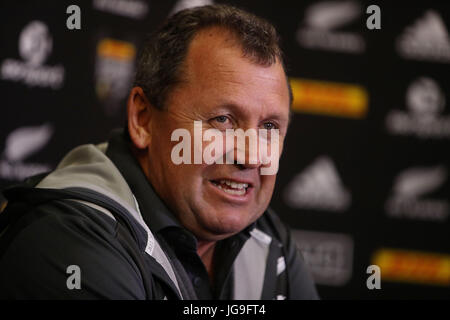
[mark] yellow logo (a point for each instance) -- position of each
(413, 266)
(114, 68)
(3, 205)
(329, 98)
(116, 49)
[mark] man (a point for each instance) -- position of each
(122, 220)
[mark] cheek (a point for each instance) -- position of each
(189, 179)
(267, 186)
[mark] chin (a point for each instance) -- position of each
(231, 221)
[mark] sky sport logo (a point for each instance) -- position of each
(231, 144)
(35, 45)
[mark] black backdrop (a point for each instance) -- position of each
(364, 178)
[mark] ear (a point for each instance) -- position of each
(139, 113)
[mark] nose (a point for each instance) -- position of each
(246, 151)
(250, 150)
(245, 159)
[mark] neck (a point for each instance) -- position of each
(205, 250)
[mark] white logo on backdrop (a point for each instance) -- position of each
(135, 9)
(35, 46)
(35, 43)
(329, 255)
(409, 194)
(21, 144)
(318, 187)
(425, 101)
(186, 4)
(427, 39)
(321, 21)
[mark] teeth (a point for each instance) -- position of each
(234, 185)
(239, 192)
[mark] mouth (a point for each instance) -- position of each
(232, 187)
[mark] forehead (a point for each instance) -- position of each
(215, 62)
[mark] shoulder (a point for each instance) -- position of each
(38, 250)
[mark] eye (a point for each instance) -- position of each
(221, 119)
(269, 125)
(222, 122)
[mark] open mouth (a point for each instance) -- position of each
(232, 187)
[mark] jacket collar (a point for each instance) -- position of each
(154, 211)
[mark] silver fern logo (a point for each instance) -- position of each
(20, 145)
(322, 24)
(412, 194)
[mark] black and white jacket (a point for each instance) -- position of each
(98, 212)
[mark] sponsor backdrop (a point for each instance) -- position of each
(365, 175)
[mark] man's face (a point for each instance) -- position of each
(224, 90)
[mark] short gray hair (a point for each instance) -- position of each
(163, 53)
